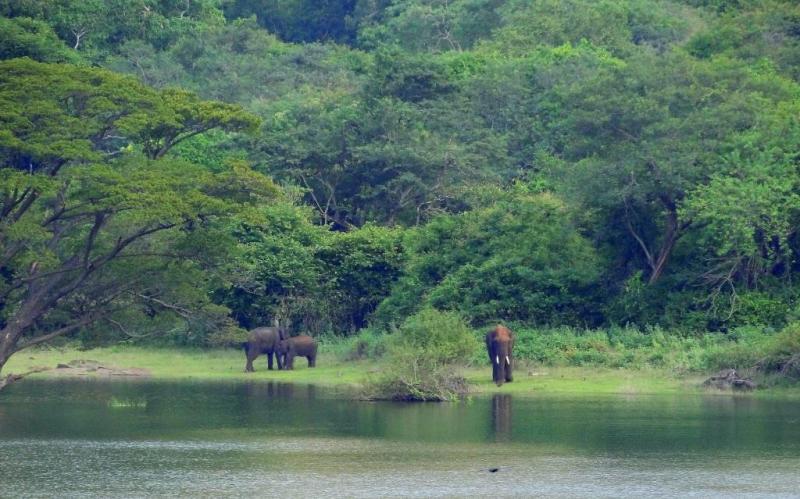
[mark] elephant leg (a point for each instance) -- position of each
(280, 360)
(249, 367)
(269, 361)
(495, 368)
(312, 361)
(509, 376)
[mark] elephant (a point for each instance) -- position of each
(264, 340)
(303, 346)
(499, 344)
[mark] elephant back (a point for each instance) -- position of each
(266, 335)
(303, 344)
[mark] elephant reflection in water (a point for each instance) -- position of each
(501, 417)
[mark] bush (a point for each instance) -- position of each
(782, 357)
(414, 376)
(443, 337)
(517, 258)
(368, 344)
(629, 347)
(423, 356)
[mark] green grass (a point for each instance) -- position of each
(193, 364)
(530, 378)
(585, 380)
(228, 365)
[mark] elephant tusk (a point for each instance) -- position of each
(497, 359)
(508, 361)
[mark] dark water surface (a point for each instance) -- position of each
(144, 439)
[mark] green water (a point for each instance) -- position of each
(143, 439)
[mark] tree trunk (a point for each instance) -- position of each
(674, 230)
(667, 245)
(9, 336)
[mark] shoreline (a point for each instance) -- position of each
(126, 363)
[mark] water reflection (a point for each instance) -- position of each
(611, 425)
(95, 439)
(501, 417)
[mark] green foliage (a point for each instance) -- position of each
(429, 25)
(362, 265)
(517, 257)
(559, 162)
(321, 281)
(300, 20)
(369, 343)
(93, 232)
(277, 273)
(412, 377)
(25, 37)
(408, 77)
(422, 356)
(99, 26)
(753, 31)
(442, 337)
(783, 354)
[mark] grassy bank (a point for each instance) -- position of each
(586, 381)
(189, 364)
(228, 365)
(623, 361)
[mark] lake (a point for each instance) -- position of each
(79, 438)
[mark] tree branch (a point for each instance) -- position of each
(183, 312)
(58, 332)
(641, 242)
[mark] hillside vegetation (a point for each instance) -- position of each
(175, 172)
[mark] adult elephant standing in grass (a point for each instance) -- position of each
(303, 346)
(264, 340)
(499, 344)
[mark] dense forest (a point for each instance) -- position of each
(180, 170)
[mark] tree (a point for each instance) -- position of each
(183, 116)
(515, 257)
(750, 209)
(321, 280)
(641, 134)
(364, 264)
(363, 160)
(428, 25)
(77, 199)
(25, 37)
(300, 20)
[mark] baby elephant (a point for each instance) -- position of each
(303, 346)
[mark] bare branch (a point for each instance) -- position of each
(58, 332)
(183, 312)
(639, 240)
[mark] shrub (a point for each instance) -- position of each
(414, 376)
(422, 359)
(517, 257)
(443, 337)
(368, 344)
(783, 354)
